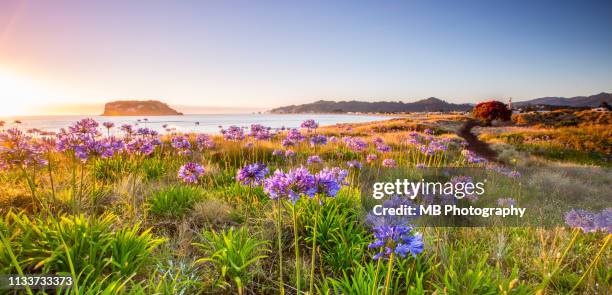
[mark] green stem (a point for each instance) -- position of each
(389, 271)
(592, 264)
(375, 285)
(297, 250)
(280, 248)
(314, 247)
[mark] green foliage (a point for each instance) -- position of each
(174, 200)
(233, 252)
(341, 237)
(89, 248)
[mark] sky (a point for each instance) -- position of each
(241, 55)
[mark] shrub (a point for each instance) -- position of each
(232, 252)
(87, 247)
(174, 201)
(491, 110)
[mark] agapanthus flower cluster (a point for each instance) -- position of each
(233, 133)
(203, 141)
(589, 221)
(277, 152)
(354, 164)
(309, 124)
(252, 174)
(389, 163)
(80, 138)
(19, 150)
(294, 136)
(318, 140)
(289, 153)
(314, 159)
(106, 148)
(260, 132)
(127, 129)
(398, 239)
(292, 185)
(329, 182)
(142, 145)
(472, 157)
(371, 158)
(190, 172)
(108, 125)
(381, 147)
(181, 144)
(356, 144)
(146, 132)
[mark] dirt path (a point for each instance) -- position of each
(474, 144)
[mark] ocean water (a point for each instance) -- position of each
(193, 123)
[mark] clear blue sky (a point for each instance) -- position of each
(270, 53)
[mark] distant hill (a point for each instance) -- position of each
(431, 104)
(578, 101)
(138, 108)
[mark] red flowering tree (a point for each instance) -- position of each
(491, 110)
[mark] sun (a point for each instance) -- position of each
(17, 94)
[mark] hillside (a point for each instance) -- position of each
(431, 104)
(138, 108)
(577, 101)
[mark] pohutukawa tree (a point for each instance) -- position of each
(491, 110)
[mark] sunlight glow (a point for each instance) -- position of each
(18, 94)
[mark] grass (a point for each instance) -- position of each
(135, 228)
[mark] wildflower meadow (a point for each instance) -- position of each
(259, 210)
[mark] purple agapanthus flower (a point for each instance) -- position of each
(108, 125)
(396, 239)
(371, 158)
(18, 150)
(182, 144)
(233, 133)
(313, 160)
(260, 132)
(302, 183)
(291, 185)
(289, 153)
(356, 144)
(383, 148)
(603, 220)
(203, 141)
(309, 124)
(252, 174)
(128, 129)
(294, 136)
(389, 163)
(318, 140)
(277, 152)
(190, 172)
(328, 183)
(583, 219)
(286, 142)
(141, 146)
(354, 164)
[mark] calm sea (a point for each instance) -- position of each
(194, 123)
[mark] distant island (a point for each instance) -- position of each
(138, 108)
(433, 104)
